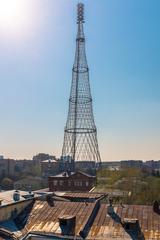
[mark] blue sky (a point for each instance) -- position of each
(123, 52)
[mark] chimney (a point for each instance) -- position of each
(64, 174)
(67, 224)
(131, 225)
(156, 207)
(16, 196)
(50, 200)
(110, 208)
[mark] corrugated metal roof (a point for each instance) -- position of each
(42, 218)
(83, 195)
(105, 227)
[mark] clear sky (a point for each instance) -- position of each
(37, 46)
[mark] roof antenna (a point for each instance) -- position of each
(80, 13)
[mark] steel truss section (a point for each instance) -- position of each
(80, 135)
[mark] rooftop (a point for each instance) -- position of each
(81, 195)
(107, 227)
(68, 174)
(50, 161)
(43, 217)
(92, 220)
(7, 196)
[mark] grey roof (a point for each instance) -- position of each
(68, 174)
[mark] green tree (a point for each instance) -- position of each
(7, 184)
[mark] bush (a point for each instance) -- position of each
(7, 184)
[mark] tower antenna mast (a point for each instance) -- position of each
(80, 134)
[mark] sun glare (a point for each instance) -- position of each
(13, 14)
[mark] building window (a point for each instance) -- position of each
(61, 182)
(87, 183)
(69, 183)
(55, 182)
(78, 183)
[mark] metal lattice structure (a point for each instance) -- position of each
(80, 136)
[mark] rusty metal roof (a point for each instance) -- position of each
(104, 227)
(43, 218)
(75, 195)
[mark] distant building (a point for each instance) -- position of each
(42, 157)
(23, 166)
(7, 167)
(111, 164)
(85, 166)
(152, 164)
(49, 167)
(28, 183)
(66, 163)
(72, 181)
(131, 164)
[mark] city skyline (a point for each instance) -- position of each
(122, 42)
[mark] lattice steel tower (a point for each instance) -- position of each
(80, 135)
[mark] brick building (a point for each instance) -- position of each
(73, 181)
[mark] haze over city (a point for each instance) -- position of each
(37, 48)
